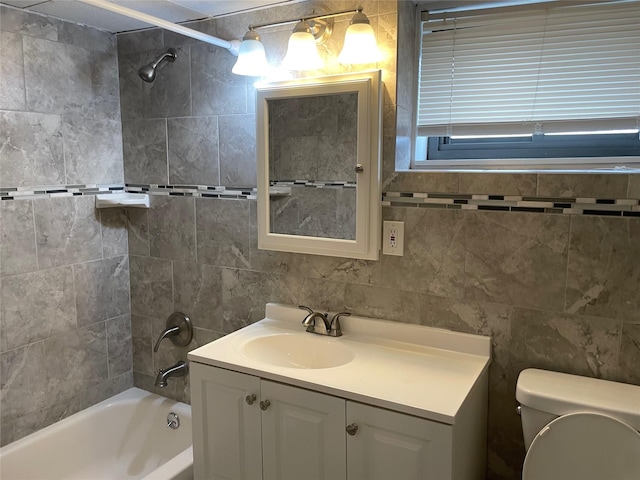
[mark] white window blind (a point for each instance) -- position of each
(533, 69)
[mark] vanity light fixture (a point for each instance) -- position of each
(302, 54)
(360, 44)
(252, 59)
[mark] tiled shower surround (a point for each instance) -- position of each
(65, 330)
(556, 291)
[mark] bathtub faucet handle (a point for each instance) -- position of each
(178, 328)
(169, 332)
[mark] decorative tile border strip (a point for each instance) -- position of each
(24, 193)
(513, 203)
(18, 193)
(204, 191)
(623, 207)
(312, 184)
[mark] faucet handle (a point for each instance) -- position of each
(178, 328)
(305, 319)
(335, 322)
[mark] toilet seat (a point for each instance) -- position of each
(584, 446)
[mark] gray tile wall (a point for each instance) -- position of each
(554, 292)
(65, 328)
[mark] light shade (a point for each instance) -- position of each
(302, 52)
(360, 44)
(252, 60)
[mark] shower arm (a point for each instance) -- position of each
(169, 56)
(231, 45)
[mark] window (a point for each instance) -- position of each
(546, 85)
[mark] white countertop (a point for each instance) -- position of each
(422, 371)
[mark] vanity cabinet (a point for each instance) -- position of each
(391, 445)
(245, 427)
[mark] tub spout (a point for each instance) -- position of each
(180, 369)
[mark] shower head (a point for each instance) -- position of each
(148, 72)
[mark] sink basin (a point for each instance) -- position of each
(294, 350)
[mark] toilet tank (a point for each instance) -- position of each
(545, 395)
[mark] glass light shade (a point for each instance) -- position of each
(252, 60)
(360, 45)
(302, 53)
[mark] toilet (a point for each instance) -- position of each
(578, 428)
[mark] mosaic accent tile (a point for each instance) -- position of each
(515, 203)
(621, 207)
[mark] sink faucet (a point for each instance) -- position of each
(331, 327)
(180, 369)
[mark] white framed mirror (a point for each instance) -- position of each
(318, 153)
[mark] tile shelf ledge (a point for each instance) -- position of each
(116, 200)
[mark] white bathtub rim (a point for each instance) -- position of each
(131, 394)
(178, 467)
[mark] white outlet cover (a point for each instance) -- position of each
(390, 247)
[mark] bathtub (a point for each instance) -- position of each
(123, 437)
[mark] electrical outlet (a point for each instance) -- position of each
(393, 238)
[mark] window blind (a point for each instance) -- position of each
(542, 68)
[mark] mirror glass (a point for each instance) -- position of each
(318, 153)
(312, 158)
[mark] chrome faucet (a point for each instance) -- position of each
(331, 327)
(180, 369)
(178, 328)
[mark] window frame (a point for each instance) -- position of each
(575, 163)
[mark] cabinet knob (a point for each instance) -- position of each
(352, 429)
(265, 404)
(251, 398)
(359, 168)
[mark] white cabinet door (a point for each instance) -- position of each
(303, 436)
(390, 445)
(226, 428)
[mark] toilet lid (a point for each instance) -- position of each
(584, 446)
